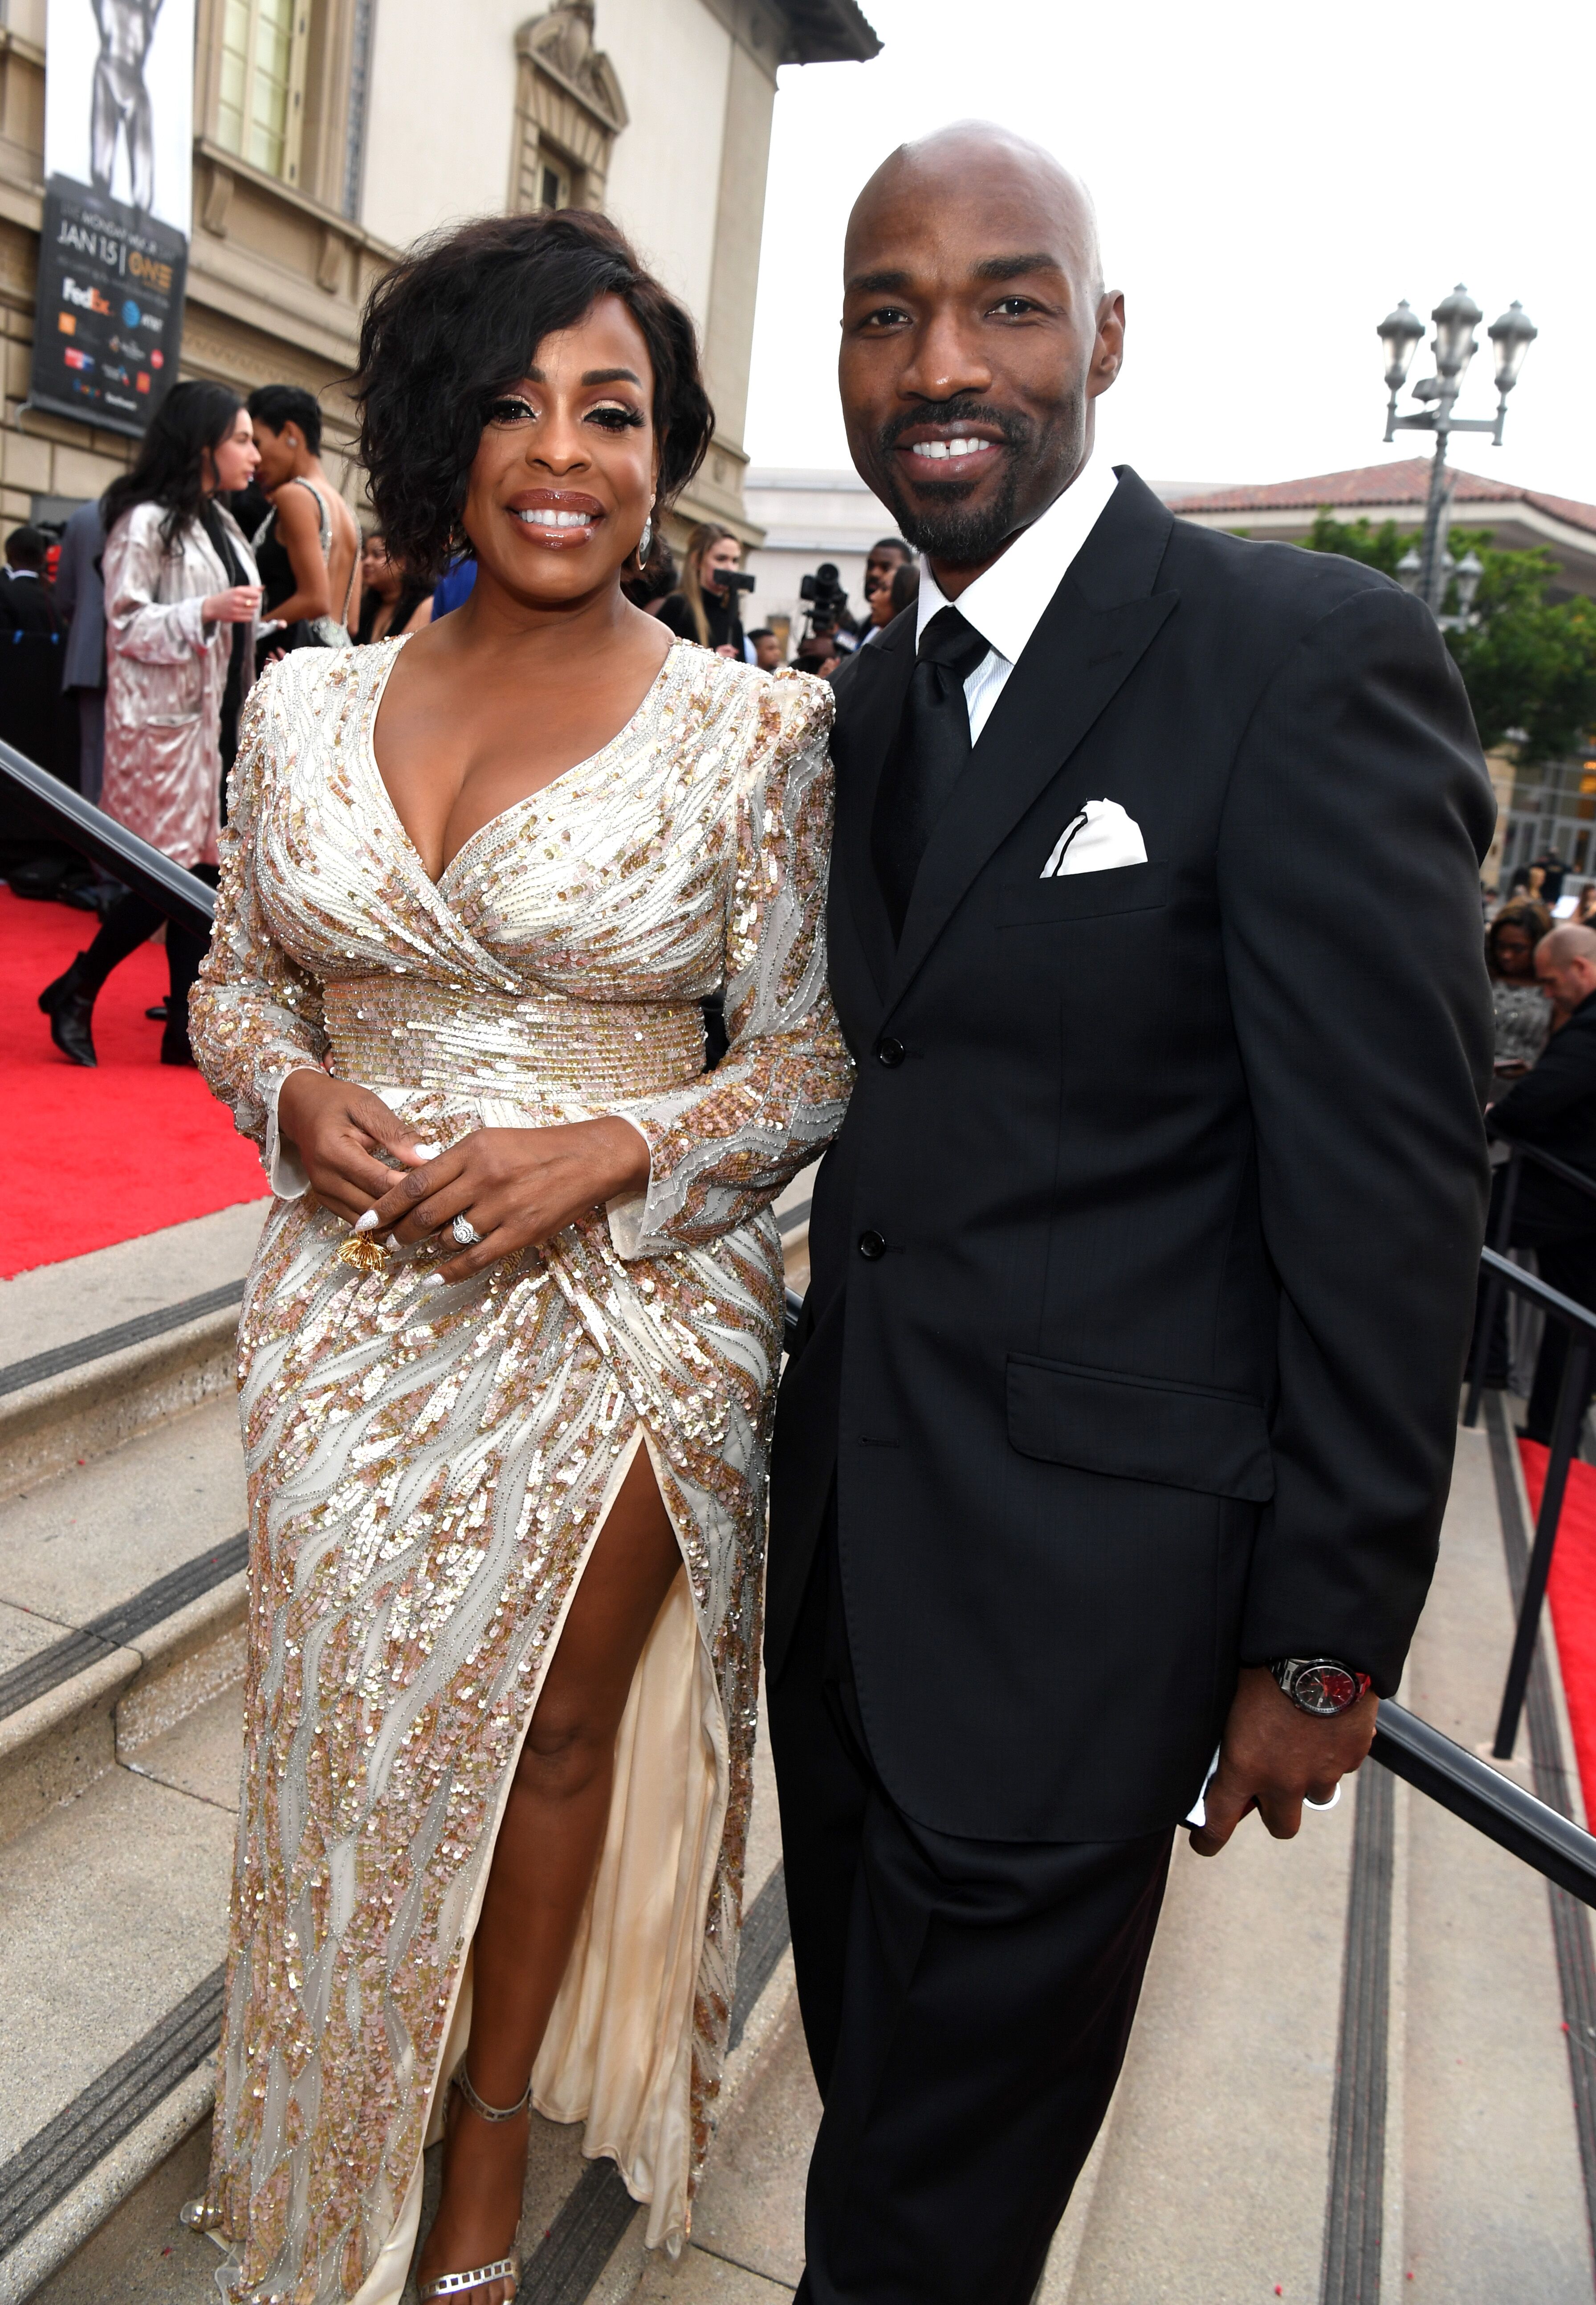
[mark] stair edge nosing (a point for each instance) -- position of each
(74, 2219)
(193, 1627)
(115, 1396)
(44, 1717)
(129, 1670)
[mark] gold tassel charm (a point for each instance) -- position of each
(366, 1254)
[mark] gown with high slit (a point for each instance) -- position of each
(429, 1468)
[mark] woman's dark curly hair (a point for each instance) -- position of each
(450, 328)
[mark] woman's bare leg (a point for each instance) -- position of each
(543, 1864)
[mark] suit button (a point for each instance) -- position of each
(889, 1052)
(871, 1246)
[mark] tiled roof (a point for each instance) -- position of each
(1380, 488)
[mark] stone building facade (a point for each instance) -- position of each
(329, 134)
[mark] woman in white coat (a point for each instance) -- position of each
(182, 601)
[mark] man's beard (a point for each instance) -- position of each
(943, 524)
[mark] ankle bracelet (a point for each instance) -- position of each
(479, 2107)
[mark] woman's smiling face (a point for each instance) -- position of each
(563, 476)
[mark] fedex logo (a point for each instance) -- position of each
(87, 299)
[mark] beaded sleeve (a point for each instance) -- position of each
(722, 1149)
(254, 1015)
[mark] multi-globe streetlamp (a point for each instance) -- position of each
(1427, 571)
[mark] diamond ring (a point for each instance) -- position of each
(465, 1232)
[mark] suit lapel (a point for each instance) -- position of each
(1092, 633)
(869, 703)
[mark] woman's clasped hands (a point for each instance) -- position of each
(515, 1187)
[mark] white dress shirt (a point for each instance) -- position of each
(1006, 602)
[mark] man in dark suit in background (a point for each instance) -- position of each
(30, 715)
(1121, 1418)
(81, 598)
(1554, 1107)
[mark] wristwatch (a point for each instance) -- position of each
(1322, 1686)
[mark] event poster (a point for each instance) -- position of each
(119, 98)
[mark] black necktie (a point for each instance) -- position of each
(930, 755)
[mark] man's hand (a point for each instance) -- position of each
(1274, 1757)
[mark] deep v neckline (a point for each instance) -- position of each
(396, 823)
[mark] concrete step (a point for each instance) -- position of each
(113, 1914)
(122, 1630)
(122, 1604)
(104, 1346)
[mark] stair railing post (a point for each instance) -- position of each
(1571, 1410)
(1492, 1302)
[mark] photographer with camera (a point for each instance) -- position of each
(707, 607)
(829, 632)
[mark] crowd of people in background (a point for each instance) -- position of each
(1543, 1094)
(133, 635)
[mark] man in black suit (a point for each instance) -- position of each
(1121, 1418)
(1554, 1107)
(30, 715)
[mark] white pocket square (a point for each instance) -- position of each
(1101, 837)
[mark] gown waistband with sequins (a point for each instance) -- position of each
(545, 1048)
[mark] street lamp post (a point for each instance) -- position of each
(1455, 317)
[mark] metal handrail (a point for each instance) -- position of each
(172, 888)
(1459, 1780)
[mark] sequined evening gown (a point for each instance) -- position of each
(428, 1469)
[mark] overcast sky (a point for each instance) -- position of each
(1270, 178)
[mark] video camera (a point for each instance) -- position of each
(730, 581)
(829, 603)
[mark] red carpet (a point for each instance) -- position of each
(95, 1156)
(1572, 1592)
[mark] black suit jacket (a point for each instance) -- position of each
(1555, 1107)
(1181, 1177)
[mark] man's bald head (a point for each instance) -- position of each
(1566, 965)
(1569, 941)
(967, 152)
(976, 337)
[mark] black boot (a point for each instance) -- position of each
(175, 1042)
(69, 1004)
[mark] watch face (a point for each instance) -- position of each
(1325, 1689)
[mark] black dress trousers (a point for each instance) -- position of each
(966, 2005)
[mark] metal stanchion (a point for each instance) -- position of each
(1491, 1303)
(1571, 1408)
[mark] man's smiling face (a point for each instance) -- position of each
(976, 335)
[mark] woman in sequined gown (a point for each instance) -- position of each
(506, 1498)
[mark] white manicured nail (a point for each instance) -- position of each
(367, 1223)
(428, 1151)
(434, 1280)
